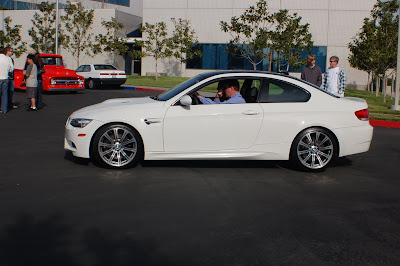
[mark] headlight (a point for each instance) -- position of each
(80, 122)
(53, 82)
(80, 81)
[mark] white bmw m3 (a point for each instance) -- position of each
(283, 118)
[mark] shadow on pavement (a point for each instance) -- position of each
(49, 241)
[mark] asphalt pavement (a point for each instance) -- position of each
(59, 210)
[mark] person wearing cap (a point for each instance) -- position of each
(230, 89)
(31, 81)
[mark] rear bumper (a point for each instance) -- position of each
(110, 81)
(354, 140)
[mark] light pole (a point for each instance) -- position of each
(57, 27)
(396, 94)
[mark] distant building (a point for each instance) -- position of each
(333, 23)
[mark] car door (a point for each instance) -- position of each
(211, 127)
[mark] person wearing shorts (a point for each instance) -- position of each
(31, 82)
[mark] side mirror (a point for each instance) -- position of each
(186, 100)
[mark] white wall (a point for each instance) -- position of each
(24, 17)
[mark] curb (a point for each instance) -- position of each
(374, 123)
(381, 123)
(143, 89)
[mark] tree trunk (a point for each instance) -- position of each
(384, 88)
(377, 86)
(156, 70)
(270, 61)
(392, 87)
(369, 82)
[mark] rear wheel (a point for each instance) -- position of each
(90, 84)
(314, 149)
(117, 146)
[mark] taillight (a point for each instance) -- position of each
(362, 114)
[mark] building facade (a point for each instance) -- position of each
(333, 23)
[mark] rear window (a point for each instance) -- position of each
(52, 61)
(104, 67)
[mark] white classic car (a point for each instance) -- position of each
(283, 118)
(101, 74)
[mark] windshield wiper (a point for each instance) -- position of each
(154, 98)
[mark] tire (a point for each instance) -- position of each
(90, 84)
(313, 149)
(117, 146)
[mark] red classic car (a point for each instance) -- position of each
(56, 77)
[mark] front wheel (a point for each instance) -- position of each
(314, 149)
(117, 146)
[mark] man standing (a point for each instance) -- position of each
(311, 72)
(334, 78)
(9, 53)
(4, 69)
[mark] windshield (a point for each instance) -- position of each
(165, 96)
(53, 61)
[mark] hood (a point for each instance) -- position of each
(118, 105)
(59, 71)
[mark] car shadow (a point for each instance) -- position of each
(77, 160)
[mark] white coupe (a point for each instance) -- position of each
(284, 118)
(101, 74)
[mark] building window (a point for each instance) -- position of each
(216, 56)
(115, 2)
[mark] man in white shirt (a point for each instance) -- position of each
(9, 53)
(334, 79)
(4, 69)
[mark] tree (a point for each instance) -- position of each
(250, 32)
(111, 42)
(11, 37)
(78, 23)
(183, 39)
(289, 38)
(156, 43)
(374, 49)
(44, 30)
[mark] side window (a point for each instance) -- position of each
(248, 88)
(276, 91)
(86, 68)
(79, 69)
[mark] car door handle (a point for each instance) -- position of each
(250, 112)
(152, 121)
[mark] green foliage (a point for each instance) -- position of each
(156, 43)
(111, 42)
(11, 37)
(289, 38)
(78, 23)
(250, 33)
(44, 29)
(183, 39)
(256, 31)
(374, 49)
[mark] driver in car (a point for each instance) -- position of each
(230, 88)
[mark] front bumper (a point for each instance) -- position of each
(77, 140)
(53, 89)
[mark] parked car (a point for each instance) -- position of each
(284, 118)
(56, 76)
(99, 74)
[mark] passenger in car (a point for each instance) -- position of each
(230, 89)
